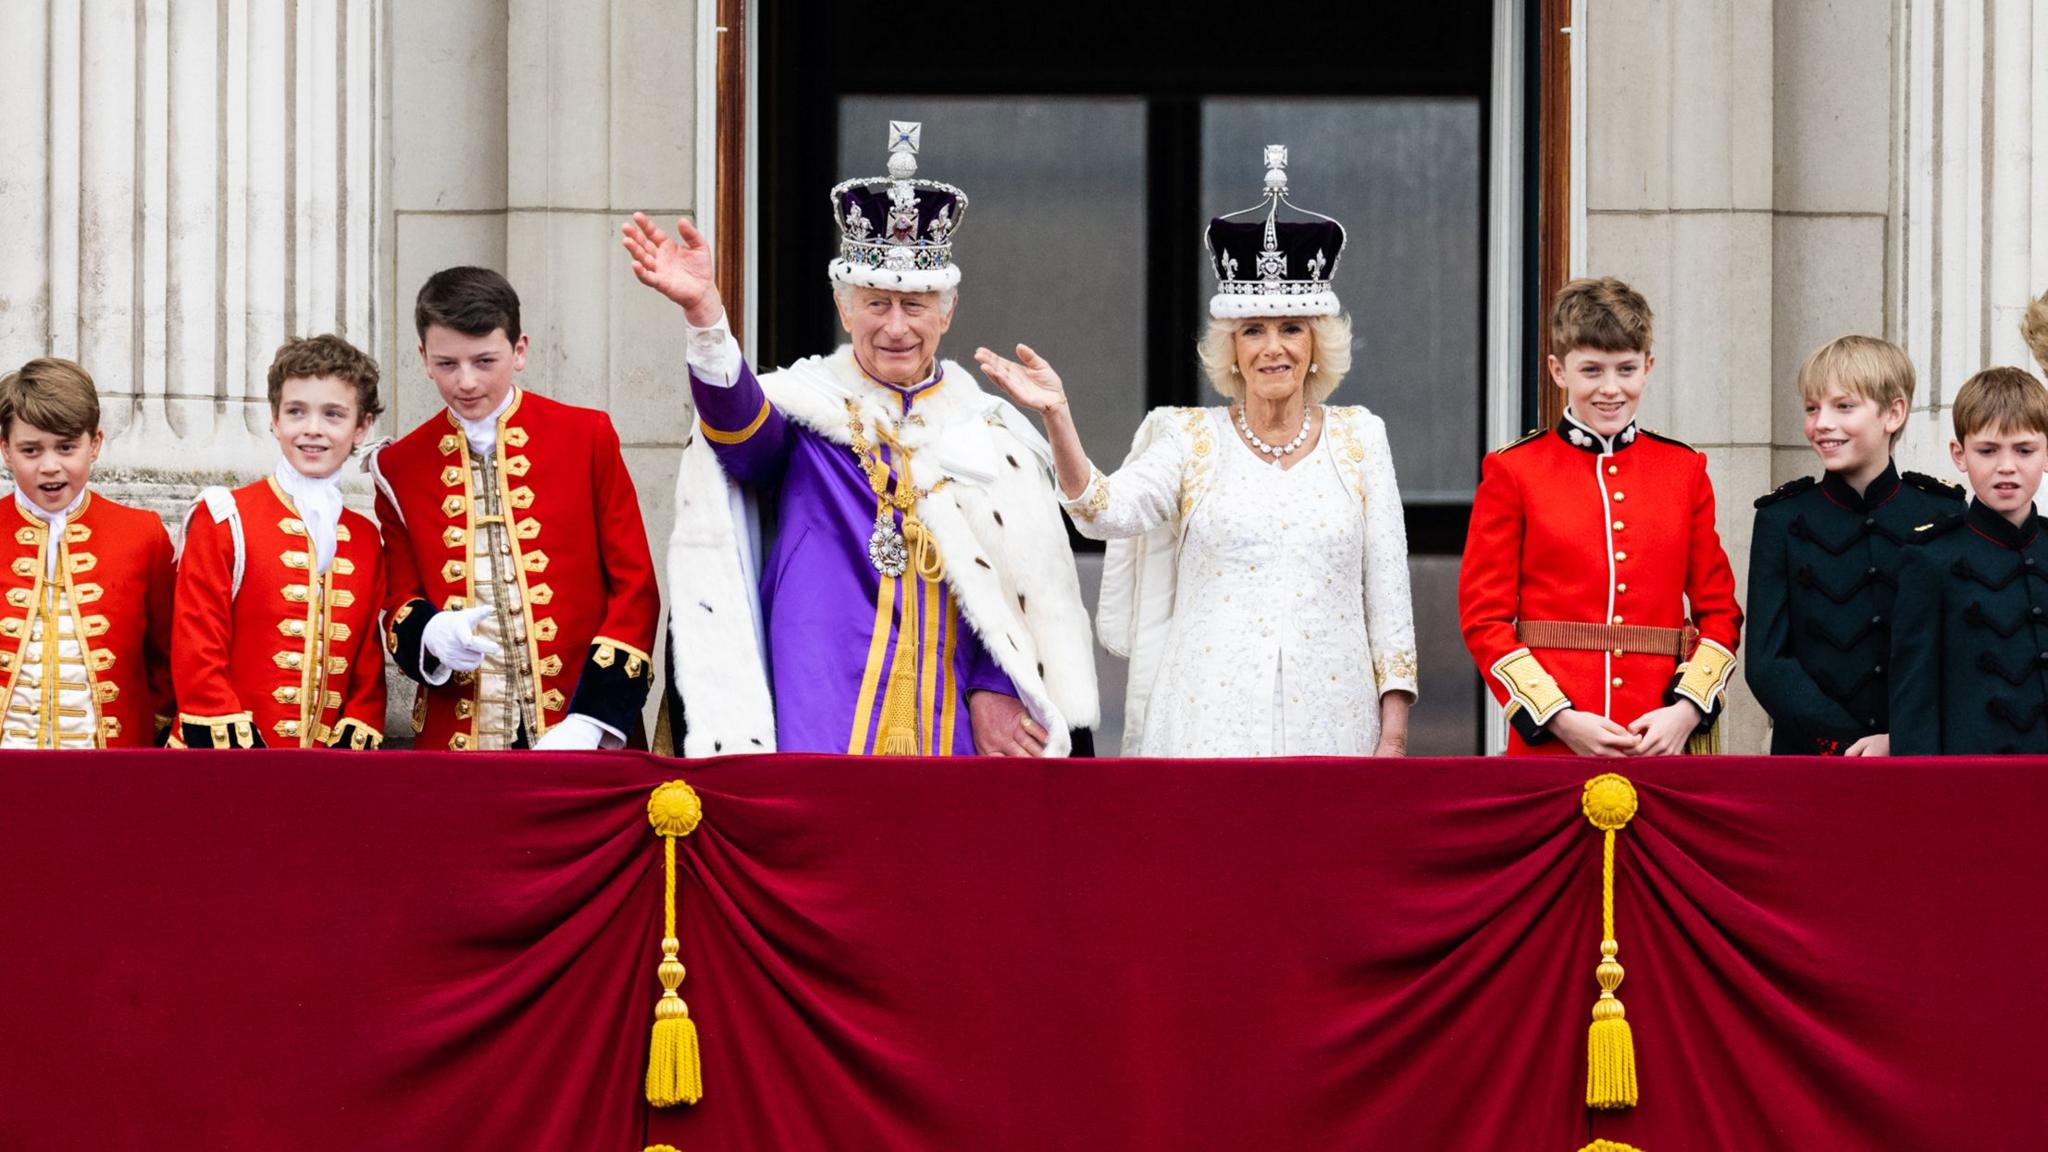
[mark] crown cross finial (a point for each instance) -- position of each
(903, 139)
(1276, 167)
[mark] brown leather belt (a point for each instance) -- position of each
(1673, 642)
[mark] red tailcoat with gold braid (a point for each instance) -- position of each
(292, 659)
(114, 581)
(1571, 528)
(578, 556)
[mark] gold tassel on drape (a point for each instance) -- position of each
(1595, 1146)
(1609, 803)
(675, 1072)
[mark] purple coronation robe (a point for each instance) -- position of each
(833, 622)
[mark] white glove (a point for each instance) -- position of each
(577, 733)
(451, 639)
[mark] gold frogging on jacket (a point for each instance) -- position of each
(50, 644)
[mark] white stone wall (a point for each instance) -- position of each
(522, 134)
(186, 183)
(1776, 173)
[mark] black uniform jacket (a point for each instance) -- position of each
(1823, 574)
(1970, 645)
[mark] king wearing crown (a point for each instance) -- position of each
(918, 595)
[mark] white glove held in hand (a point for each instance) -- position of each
(451, 639)
(573, 733)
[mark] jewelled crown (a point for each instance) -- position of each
(1266, 266)
(896, 231)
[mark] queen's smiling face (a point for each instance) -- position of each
(1273, 356)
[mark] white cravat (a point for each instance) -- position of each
(483, 434)
(318, 501)
(56, 521)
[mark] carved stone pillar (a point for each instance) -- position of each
(192, 180)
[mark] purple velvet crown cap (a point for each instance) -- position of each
(1266, 266)
(896, 231)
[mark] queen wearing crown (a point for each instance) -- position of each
(1257, 573)
(917, 595)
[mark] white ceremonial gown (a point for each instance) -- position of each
(1290, 611)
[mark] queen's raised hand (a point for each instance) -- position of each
(1032, 384)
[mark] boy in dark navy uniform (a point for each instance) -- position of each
(1970, 645)
(1824, 557)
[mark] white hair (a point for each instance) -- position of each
(948, 296)
(1217, 350)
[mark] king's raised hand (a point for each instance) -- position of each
(679, 267)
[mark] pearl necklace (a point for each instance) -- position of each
(1308, 413)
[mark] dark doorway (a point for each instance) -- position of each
(1094, 142)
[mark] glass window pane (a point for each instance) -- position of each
(1447, 718)
(1052, 249)
(1402, 176)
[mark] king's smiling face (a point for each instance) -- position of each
(895, 334)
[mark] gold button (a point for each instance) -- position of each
(1617, 651)
(1619, 495)
(1617, 619)
(1621, 587)
(1613, 471)
(1621, 555)
(1617, 681)
(1618, 525)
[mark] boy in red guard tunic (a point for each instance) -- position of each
(278, 586)
(1588, 542)
(522, 595)
(85, 630)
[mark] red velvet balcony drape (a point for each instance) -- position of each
(414, 951)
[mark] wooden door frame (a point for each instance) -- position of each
(1554, 189)
(730, 195)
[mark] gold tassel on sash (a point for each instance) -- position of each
(899, 722)
(899, 700)
(675, 1072)
(1609, 803)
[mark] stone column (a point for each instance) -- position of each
(1834, 147)
(609, 117)
(1968, 237)
(193, 180)
(523, 133)
(1678, 202)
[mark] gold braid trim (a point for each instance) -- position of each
(235, 730)
(1703, 678)
(1530, 685)
(608, 651)
(741, 436)
(353, 733)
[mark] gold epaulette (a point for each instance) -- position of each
(1653, 434)
(1931, 485)
(1524, 438)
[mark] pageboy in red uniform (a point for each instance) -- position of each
(522, 594)
(85, 583)
(1588, 542)
(279, 585)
